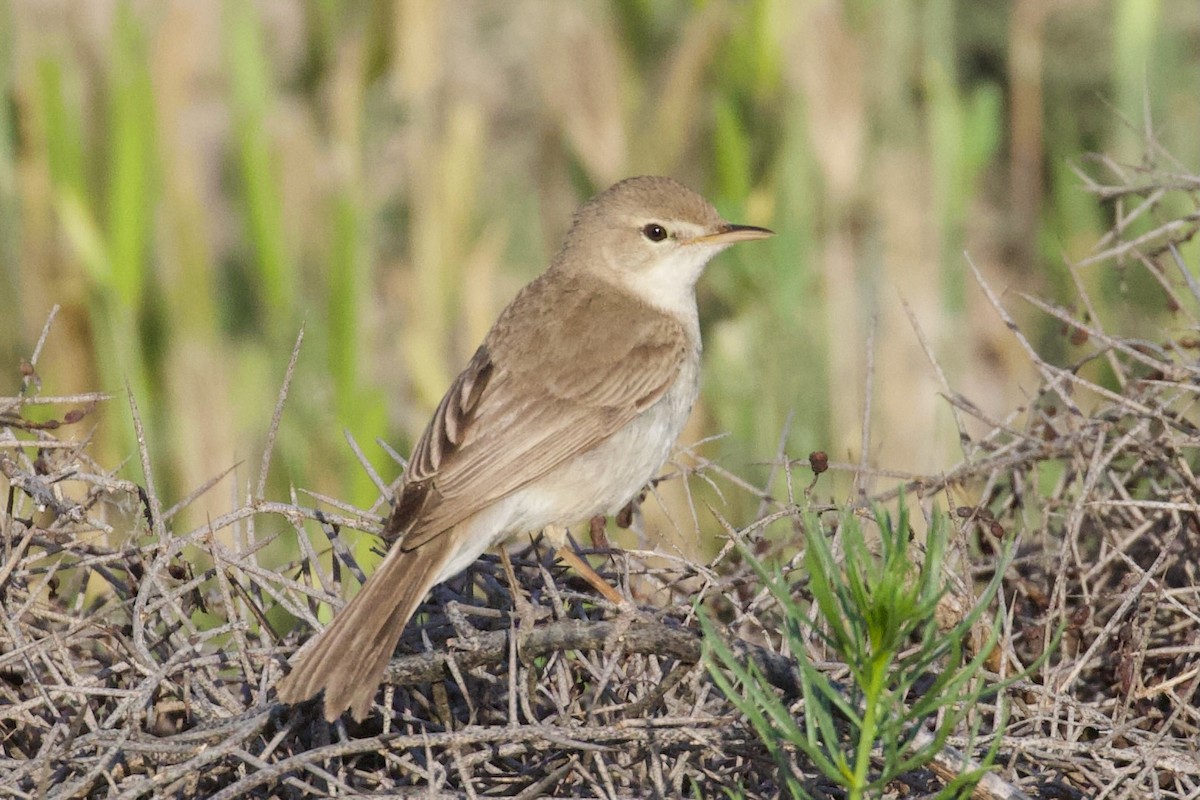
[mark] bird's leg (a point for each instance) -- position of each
(596, 531)
(566, 551)
(521, 606)
(625, 515)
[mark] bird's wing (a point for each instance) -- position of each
(564, 368)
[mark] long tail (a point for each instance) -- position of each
(349, 657)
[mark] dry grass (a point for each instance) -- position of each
(138, 659)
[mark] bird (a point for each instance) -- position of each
(569, 407)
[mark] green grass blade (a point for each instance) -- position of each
(251, 96)
(130, 160)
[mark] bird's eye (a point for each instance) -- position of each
(654, 232)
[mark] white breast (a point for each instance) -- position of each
(600, 481)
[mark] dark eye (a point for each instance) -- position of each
(654, 232)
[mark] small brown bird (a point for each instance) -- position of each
(569, 407)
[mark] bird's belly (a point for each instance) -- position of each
(599, 481)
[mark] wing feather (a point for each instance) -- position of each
(533, 397)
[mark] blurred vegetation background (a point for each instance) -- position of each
(195, 181)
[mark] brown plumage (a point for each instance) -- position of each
(566, 410)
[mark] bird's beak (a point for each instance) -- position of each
(730, 233)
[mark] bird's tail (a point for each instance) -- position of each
(350, 655)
